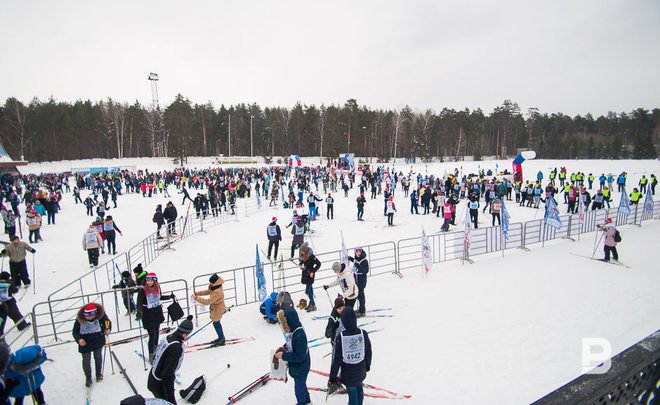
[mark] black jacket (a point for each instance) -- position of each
(170, 214)
(362, 269)
(333, 325)
(94, 339)
(352, 375)
(311, 265)
(165, 367)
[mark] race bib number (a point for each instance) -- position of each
(353, 348)
(153, 300)
(87, 328)
(90, 238)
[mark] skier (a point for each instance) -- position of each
(391, 209)
(295, 352)
(298, 232)
(346, 282)
(170, 216)
(7, 291)
(334, 325)
(329, 203)
(351, 359)
(150, 309)
(495, 208)
(16, 250)
(33, 221)
(89, 331)
(309, 264)
(216, 303)
(361, 272)
(128, 287)
(166, 362)
(269, 308)
(91, 243)
(109, 227)
(159, 220)
(274, 234)
(360, 206)
(311, 202)
(609, 246)
(473, 204)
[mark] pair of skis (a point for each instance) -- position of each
(617, 263)
(328, 341)
(380, 392)
(164, 330)
(323, 337)
(370, 311)
(211, 344)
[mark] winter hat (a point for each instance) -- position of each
(608, 220)
(5, 276)
(186, 326)
(90, 310)
(213, 278)
(13, 238)
(274, 219)
(108, 217)
(98, 219)
(336, 267)
(284, 299)
(126, 274)
(339, 302)
(138, 269)
(152, 276)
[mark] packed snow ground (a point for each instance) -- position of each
(504, 330)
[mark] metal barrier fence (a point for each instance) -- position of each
(240, 284)
(388, 257)
(52, 321)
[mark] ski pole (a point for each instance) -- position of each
(109, 347)
(198, 330)
(34, 278)
(144, 361)
(332, 305)
(597, 244)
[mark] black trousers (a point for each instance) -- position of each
(331, 211)
(272, 243)
(15, 314)
(110, 237)
(37, 395)
(87, 362)
(93, 256)
(19, 272)
(611, 249)
(161, 389)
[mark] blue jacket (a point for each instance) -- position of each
(25, 366)
(269, 307)
(352, 375)
(362, 269)
(297, 356)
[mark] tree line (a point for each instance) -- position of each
(54, 130)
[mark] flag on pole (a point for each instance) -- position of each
(467, 227)
(427, 258)
(624, 203)
(552, 213)
(648, 201)
(343, 255)
(261, 279)
(506, 218)
(581, 208)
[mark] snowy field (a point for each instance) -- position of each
(502, 330)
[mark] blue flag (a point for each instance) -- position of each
(552, 213)
(505, 221)
(624, 203)
(648, 201)
(261, 279)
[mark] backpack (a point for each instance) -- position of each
(193, 393)
(617, 236)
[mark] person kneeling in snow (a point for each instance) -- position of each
(351, 355)
(269, 308)
(167, 360)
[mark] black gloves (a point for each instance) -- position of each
(351, 258)
(325, 287)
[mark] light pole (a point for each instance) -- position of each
(229, 137)
(251, 153)
(364, 130)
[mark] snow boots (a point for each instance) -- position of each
(311, 308)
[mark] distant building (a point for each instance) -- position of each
(7, 164)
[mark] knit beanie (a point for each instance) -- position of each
(213, 278)
(186, 326)
(90, 309)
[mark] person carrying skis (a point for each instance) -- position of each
(150, 310)
(295, 352)
(89, 331)
(17, 250)
(91, 243)
(274, 234)
(361, 272)
(351, 359)
(269, 308)
(346, 282)
(128, 287)
(609, 246)
(216, 303)
(309, 264)
(167, 360)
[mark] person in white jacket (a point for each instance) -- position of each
(346, 281)
(92, 242)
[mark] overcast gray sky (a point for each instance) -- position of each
(571, 56)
